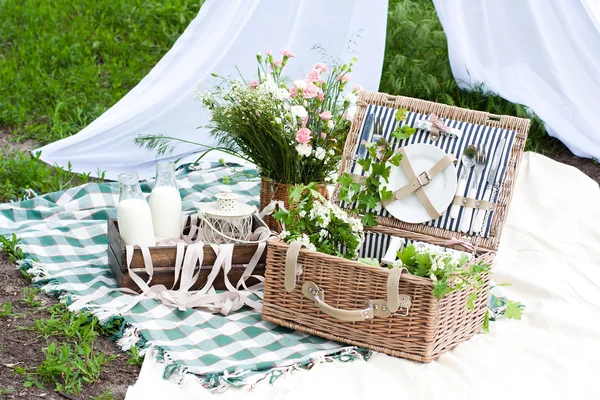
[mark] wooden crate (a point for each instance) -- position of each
(163, 260)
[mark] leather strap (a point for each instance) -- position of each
(416, 183)
(292, 268)
(375, 308)
(474, 203)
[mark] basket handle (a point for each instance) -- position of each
(375, 308)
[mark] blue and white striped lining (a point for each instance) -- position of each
(376, 245)
(479, 135)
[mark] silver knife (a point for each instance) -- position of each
(491, 181)
(367, 128)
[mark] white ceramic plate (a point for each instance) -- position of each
(440, 190)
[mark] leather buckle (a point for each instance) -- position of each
(424, 174)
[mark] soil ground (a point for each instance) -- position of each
(24, 348)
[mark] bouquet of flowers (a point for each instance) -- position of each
(293, 131)
(320, 225)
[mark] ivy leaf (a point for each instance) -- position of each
(280, 215)
(471, 300)
(403, 132)
(386, 194)
(407, 256)
(395, 159)
(296, 193)
(514, 310)
(369, 261)
(369, 219)
(486, 322)
(345, 179)
(401, 114)
(441, 288)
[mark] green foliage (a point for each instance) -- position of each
(416, 64)
(6, 391)
(107, 395)
(377, 165)
(514, 310)
(320, 225)
(30, 298)
(21, 172)
(65, 62)
(81, 327)
(11, 247)
(135, 358)
(449, 271)
(6, 309)
(68, 366)
(70, 362)
(369, 261)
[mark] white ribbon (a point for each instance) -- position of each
(190, 253)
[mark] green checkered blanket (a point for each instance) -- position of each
(64, 237)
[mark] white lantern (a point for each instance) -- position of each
(225, 220)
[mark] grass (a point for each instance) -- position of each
(416, 64)
(65, 62)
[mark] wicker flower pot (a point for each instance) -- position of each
(271, 190)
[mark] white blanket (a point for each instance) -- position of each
(225, 36)
(544, 54)
(550, 251)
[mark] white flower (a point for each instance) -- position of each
(397, 264)
(327, 179)
(300, 84)
(281, 94)
(433, 277)
(302, 213)
(320, 153)
(350, 113)
(278, 120)
(331, 152)
(304, 150)
(350, 98)
(323, 233)
(299, 111)
(284, 234)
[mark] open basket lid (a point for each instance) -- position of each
(464, 127)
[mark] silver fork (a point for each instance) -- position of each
(480, 161)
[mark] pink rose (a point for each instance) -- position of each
(310, 91)
(345, 78)
(253, 84)
(326, 115)
(303, 135)
(323, 135)
(321, 96)
(314, 75)
(358, 88)
(268, 52)
(294, 91)
(363, 142)
(287, 53)
(320, 66)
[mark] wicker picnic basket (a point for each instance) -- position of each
(383, 309)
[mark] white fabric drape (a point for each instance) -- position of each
(544, 54)
(549, 252)
(223, 35)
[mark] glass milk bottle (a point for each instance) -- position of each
(133, 212)
(165, 203)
